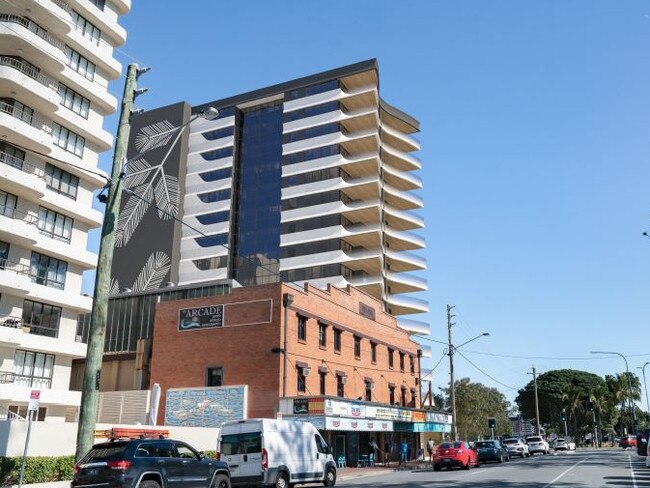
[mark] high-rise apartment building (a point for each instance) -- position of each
(56, 61)
(309, 180)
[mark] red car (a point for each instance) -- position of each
(626, 442)
(456, 453)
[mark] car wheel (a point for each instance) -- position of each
(468, 466)
(501, 459)
(221, 481)
(281, 481)
(330, 477)
(436, 467)
(149, 484)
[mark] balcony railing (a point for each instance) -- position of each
(25, 116)
(7, 415)
(11, 321)
(18, 268)
(15, 213)
(25, 380)
(21, 164)
(14, 322)
(28, 70)
(32, 27)
(62, 5)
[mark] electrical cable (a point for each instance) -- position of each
(436, 365)
(486, 374)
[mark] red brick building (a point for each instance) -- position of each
(338, 342)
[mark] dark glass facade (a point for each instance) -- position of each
(256, 237)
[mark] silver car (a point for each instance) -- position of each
(516, 447)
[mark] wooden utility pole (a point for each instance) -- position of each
(452, 386)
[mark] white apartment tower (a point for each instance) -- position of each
(56, 61)
(310, 180)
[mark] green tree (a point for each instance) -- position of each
(560, 389)
(475, 403)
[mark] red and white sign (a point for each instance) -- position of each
(34, 400)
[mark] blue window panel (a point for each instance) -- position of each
(217, 174)
(214, 217)
(224, 152)
(303, 113)
(319, 130)
(213, 240)
(215, 196)
(219, 133)
(319, 152)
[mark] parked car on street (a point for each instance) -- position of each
(562, 444)
(516, 447)
(537, 444)
(148, 463)
(491, 451)
(456, 453)
(629, 441)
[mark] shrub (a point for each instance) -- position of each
(38, 469)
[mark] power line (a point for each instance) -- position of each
(436, 365)
(551, 358)
(486, 374)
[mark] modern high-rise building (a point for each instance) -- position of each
(56, 61)
(309, 180)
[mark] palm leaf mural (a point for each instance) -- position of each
(132, 213)
(154, 272)
(167, 194)
(154, 135)
(137, 173)
(115, 287)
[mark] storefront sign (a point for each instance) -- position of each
(335, 407)
(200, 317)
(300, 406)
(419, 416)
(316, 406)
(357, 411)
(441, 418)
(366, 311)
(384, 413)
(358, 425)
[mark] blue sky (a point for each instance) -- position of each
(535, 121)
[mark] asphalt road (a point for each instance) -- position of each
(607, 468)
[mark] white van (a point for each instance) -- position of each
(277, 453)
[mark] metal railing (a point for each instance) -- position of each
(26, 117)
(15, 213)
(7, 415)
(32, 27)
(21, 164)
(62, 5)
(29, 71)
(25, 380)
(11, 321)
(14, 322)
(18, 268)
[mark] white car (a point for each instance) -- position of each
(516, 447)
(537, 444)
(561, 444)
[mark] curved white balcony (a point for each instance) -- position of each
(49, 396)
(323, 283)
(53, 13)
(310, 100)
(21, 36)
(399, 159)
(404, 261)
(31, 132)
(191, 250)
(362, 141)
(200, 125)
(61, 298)
(416, 327)
(401, 180)
(357, 98)
(309, 260)
(399, 140)
(363, 188)
(197, 185)
(12, 332)
(76, 165)
(196, 163)
(14, 278)
(405, 282)
(68, 206)
(188, 273)
(403, 240)
(193, 205)
(19, 80)
(365, 280)
(101, 20)
(199, 146)
(198, 229)
(122, 6)
(96, 93)
(405, 304)
(402, 219)
(358, 164)
(56, 247)
(26, 180)
(401, 200)
(18, 226)
(364, 211)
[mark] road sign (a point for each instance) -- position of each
(34, 400)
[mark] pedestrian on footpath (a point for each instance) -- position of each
(388, 450)
(403, 452)
(430, 449)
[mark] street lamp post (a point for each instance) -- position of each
(645, 386)
(452, 389)
(629, 386)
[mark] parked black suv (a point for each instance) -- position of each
(149, 463)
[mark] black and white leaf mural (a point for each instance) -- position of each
(154, 135)
(154, 272)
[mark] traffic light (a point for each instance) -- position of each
(563, 416)
(492, 423)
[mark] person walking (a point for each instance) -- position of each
(403, 452)
(430, 449)
(388, 450)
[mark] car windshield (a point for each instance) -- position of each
(533, 439)
(510, 441)
(479, 445)
(105, 452)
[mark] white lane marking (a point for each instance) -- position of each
(629, 458)
(565, 472)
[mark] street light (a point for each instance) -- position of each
(629, 386)
(452, 348)
(99, 312)
(645, 385)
